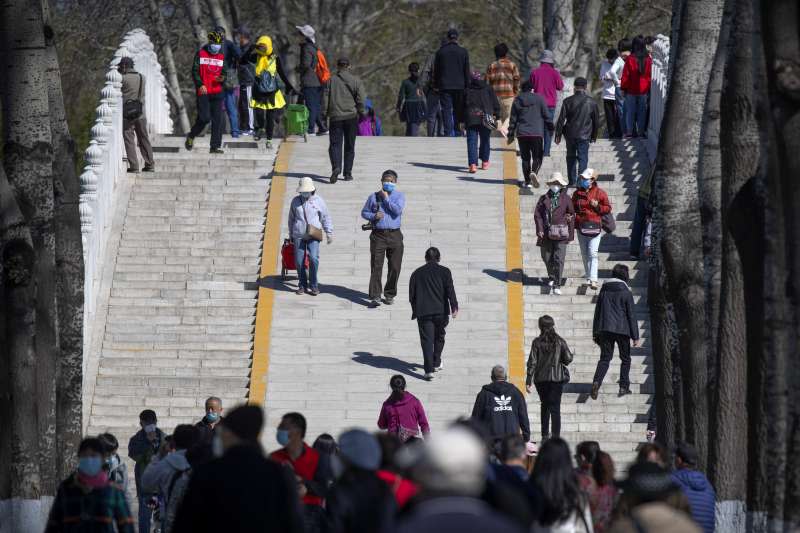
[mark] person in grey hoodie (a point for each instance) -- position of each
(343, 103)
(529, 119)
(162, 472)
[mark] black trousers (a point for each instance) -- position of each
(553, 254)
(389, 244)
(209, 109)
(266, 119)
(343, 132)
(613, 125)
(531, 150)
(550, 398)
(431, 337)
(606, 341)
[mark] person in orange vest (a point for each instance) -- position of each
(208, 73)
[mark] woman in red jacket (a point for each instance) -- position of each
(635, 85)
(590, 203)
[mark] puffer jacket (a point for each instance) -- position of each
(547, 365)
(634, 81)
(479, 98)
(579, 118)
(529, 116)
(584, 212)
(563, 214)
(701, 496)
(312, 211)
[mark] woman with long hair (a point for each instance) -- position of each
(402, 413)
(605, 495)
(635, 84)
(547, 370)
(565, 508)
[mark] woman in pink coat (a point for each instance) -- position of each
(402, 413)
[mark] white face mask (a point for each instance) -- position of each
(216, 445)
(555, 188)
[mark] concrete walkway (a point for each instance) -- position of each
(331, 357)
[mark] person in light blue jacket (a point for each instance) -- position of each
(307, 214)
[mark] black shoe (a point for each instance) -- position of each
(388, 300)
(624, 391)
(374, 303)
(257, 135)
(322, 132)
(133, 170)
(334, 177)
(595, 390)
(189, 144)
(348, 177)
(148, 169)
(216, 151)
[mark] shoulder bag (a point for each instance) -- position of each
(132, 109)
(608, 223)
(313, 233)
(556, 232)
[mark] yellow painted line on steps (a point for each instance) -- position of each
(514, 303)
(270, 251)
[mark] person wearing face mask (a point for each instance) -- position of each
(555, 228)
(142, 447)
(87, 500)
(308, 220)
(311, 468)
(411, 101)
(383, 211)
(117, 470)
(240, 490)
(590, 203)
(209, 422)
(268, 102)
(157, 478)
(208, 73)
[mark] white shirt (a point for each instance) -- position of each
(610, 74)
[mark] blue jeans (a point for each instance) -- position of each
(313, 99)
(620, 109)
(635, 113)
(475, 134)
(548, 137)
(434, 115)
(229, 99)
(577, 153)
(145, 514)
(589, 248)
(300, 248)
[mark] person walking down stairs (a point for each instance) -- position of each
(555, 228)
(208, 73)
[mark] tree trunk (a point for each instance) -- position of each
(28, 162)
(588, 33)
(560, 34)
(195, 15)
(218, 16)
(661, 349)
(678, 209)
(173, 85)
(283, 42)
(233, 7)
(70, 270)
(531, 13)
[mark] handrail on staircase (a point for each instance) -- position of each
(658, 92)
(105, 166)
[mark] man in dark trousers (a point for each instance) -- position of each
(135, 128)
(384, 210)
(242, 490)
(432, 298)
(578, 122)
(343, 102)
(501, 407)
(451, 77)
(208, 73)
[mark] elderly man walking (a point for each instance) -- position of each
(343, 103)
(134, 122)
(501, 407)
(578, 122)
(433, 299)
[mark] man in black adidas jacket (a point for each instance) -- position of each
(501, 407)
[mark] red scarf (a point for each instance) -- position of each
(95, 482)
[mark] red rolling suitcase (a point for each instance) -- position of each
(287, 258)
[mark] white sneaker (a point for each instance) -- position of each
(535, 179)
(528, 186)
(429, 376)
(557, 291)
(439, 368)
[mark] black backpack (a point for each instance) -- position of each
(133, 109)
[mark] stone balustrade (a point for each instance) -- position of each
(658, 92)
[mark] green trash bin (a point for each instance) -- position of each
(295, 119)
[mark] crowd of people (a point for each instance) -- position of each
(480, 473)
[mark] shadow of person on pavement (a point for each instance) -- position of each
(389, 363)
(434, 166)
(279, 284)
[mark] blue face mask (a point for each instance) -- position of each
(282, 436)
(388, 186)
(305, 195)
(214, 48)
(585, 184)
(90, 466)
(112, 462)
(212, 417)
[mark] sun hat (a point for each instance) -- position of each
(306, 185)
(589, 174)
(307, 31)
(557, 177)
(360, 449)
(547, 57)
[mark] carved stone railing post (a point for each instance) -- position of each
(658, 93)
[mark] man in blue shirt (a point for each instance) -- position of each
(383, 210)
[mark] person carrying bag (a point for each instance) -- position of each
(554, 217)
(309, 220)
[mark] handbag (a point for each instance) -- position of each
(132, 109)
(313, 233)
(589, 228)
(608, 223)
(558, 232)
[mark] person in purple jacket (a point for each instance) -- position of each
(547, 81)
(402, 413)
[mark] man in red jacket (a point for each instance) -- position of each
(208, 73)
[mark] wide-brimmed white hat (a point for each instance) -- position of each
(307, 31)
(557, 177)
(588, 174)
(306, 185)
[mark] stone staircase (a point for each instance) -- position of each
(179, 321)
(619, 424)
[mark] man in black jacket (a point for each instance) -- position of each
(501, 407)
(451, 78)
(432, 298)
(578, 122)
(615, 322)
(241, 491)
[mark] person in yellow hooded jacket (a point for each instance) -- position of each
(268, 100)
